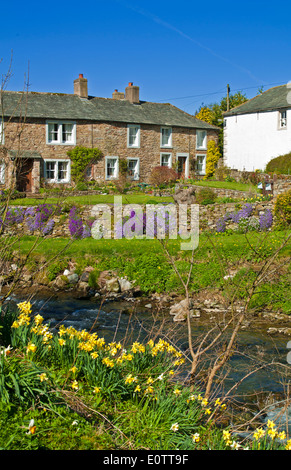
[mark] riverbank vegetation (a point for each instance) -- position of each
(225, 262)
(70, 390)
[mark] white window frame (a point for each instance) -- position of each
(203, 171)
(170, 159)
(282, 124)
(170, 139)
(116, 169)
(56, 170)
(59, 140)
(136, 173)
(137, 136)
(204, 141)
(2, 172)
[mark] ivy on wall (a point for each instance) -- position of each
(213, 155)
(82, 158)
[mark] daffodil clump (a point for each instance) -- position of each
(268, 438)
(106, 367)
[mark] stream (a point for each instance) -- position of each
(113, 321)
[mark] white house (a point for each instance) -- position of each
(258, 130)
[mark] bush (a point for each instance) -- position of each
(282, 209)
(280, 165)
(206, 196)
(213, 155)
(163, 174)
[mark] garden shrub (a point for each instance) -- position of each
(213, 155)
(282, 209)
(280, 165)
(206, 196)
(163, 174)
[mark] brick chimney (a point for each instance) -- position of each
(117, 95)
(132, 93)
(81, 86)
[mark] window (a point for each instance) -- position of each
(133, 168)
(133, 136)
(201, 139)
(61, 133)
(166, 159)
(166, 137)
(283, 119)
(57, 171)
(2, 172)
(111, 167)
(201, 164)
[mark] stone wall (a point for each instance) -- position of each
(208, 216)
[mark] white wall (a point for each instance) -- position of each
(252, 140)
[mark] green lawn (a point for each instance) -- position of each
(139, 198)
(227, 185)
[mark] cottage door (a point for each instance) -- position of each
(181, 167)
(24, 175)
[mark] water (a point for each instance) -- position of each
(116, 321)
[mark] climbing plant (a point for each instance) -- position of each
(82, 158)
(213, 155)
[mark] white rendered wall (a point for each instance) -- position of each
(252, 140)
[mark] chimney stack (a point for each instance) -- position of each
(117, 95)
(132, 93)
(81, 86)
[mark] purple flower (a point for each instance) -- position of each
(221, 225)
(75, 223)
(266, 220)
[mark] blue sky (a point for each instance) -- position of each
(181, 52)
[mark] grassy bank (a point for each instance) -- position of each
(87, 200)
(226, 262)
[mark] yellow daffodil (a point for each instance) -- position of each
(96, 389)
(43, 377)
(38, 319)
(196, 437)
(31, 347)
(75, 385)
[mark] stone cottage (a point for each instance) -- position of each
(38, 129)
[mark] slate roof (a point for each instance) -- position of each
(72, 107)
(272, 99)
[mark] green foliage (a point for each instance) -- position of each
(282, 209)
(213, 156)
(82, 158)
(205, 196)
(280, 165)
